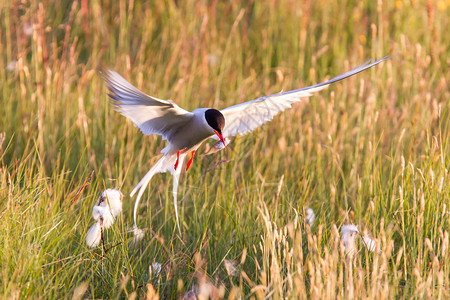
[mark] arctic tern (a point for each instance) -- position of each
(185, 131)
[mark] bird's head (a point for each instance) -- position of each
(216, 121)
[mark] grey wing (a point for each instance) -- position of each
(246, 117)
(149, 114)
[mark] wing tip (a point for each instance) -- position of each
(103, 71)
(380, 60)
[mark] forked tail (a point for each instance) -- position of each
(176, 177)
(164, 164)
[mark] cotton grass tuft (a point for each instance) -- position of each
(107, 208)
(156, 269)
(101, 212)
(113, 199)
(368, 241)
(138, 234)
(310, 217)
(94, 235)
(349, 236)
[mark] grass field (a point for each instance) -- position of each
(372, 150)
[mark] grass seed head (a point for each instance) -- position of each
(207, 290)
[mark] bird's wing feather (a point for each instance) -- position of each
(246, 117)
(149, 114)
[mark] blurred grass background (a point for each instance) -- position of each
(371, 150)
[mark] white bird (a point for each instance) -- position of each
(185, 131)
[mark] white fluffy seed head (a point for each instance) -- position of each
(310, 216)
(138, 234)
(349, 229)
(113, 199)
(369, 243)
(97, 212)
(349, 235)
(94, 235)
(156, 269)
(231, 268)
(104, 213)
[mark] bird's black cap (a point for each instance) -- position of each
(215, 119)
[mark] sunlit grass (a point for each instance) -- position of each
(371, 150)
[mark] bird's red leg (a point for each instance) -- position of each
(178, 158)
(190, 161)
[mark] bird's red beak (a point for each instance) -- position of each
(221, 138)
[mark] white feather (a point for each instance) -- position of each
(176, 177)
(149, 114)
(246, 117)
(164, 164)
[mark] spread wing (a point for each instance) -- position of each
(246, 117)
(149, 114)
